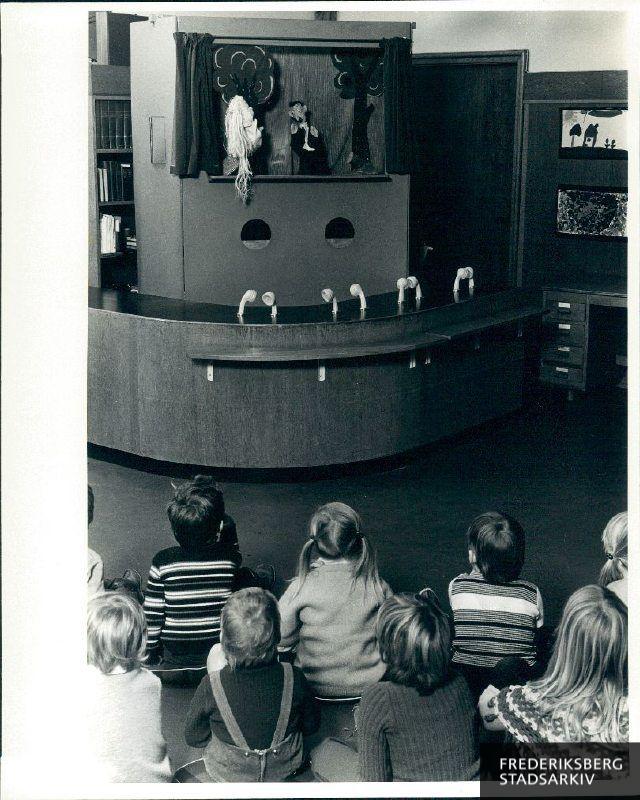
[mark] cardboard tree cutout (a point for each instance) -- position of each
(359, 76)
(245, 78)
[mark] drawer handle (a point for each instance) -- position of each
(563, 326)
(562, 369)
(563, 349)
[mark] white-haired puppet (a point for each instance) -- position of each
(242, 138)
(244, 75)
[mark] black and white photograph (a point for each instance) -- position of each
(339, 349)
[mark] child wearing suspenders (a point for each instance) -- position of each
(248, 678)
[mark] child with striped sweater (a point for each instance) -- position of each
(496, 615)
(189, 584)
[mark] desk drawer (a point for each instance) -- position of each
(562, 375)
(566, 306)
(560, 353)
(563, 332)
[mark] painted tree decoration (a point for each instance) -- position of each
(576, 130)
(247, 70)
(359, 76)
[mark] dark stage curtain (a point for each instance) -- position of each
(197, 138)
(399, 98)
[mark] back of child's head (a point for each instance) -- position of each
(335, 533)
(614, 541)
(588, 666)
(90, 503)
(497, 541)
(116, 632)
(414, 638)
(196, 513)
(130, 583)
(250, 628)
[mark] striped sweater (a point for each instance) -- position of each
(185, 594)
(493, 621)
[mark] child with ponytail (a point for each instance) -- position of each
(613, 574)
(329, 611)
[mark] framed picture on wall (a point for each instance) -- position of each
(593, 133)
(592, 213)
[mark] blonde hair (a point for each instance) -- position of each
(238, 145)
(614, 541)
(116, 632)
(250, 628)
(586, 680)
(335, 532)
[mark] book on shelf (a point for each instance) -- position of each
(127, 129)
(110, 234)
(113, 124)
(115, 181)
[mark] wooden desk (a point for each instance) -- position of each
(186, 383)
(570, 336)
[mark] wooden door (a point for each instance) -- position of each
(464, 192)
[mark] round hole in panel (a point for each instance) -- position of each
(255, 234)
(339, 232)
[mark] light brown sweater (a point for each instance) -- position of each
(331, 623)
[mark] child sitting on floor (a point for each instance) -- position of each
(582, 696)
(613, 574)
(123, 703)
(420, 723)
(95, 568)
(252, 712)
(496, 616)
(189, 584)
(329, 611)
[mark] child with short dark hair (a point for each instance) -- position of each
(125, 737)
(329, 610)
(496, 615)
(252, 714)
(188, 585)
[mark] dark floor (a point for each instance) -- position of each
(558, 466)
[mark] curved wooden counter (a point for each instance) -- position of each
(187, 383)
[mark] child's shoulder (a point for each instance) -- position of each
(522, 584)
(178, 554)
(168, 555)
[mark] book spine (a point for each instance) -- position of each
(104, 125)
(112, 126)
(98, 123)
(112, 184)
(119, 130)
(127, 182)
(105, 183)
(127, 129)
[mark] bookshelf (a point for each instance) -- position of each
(112, 234)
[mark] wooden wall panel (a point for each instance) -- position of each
(544, 256)
(146, 396)
(157, 192)
(465, 188)
(298, 262)
(112, 378)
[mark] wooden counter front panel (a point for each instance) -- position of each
(280, 415)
